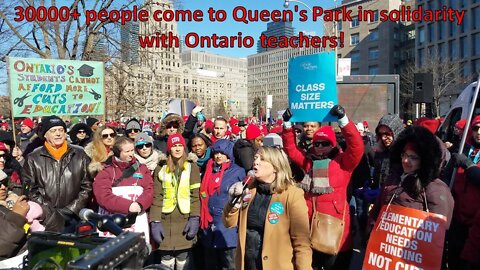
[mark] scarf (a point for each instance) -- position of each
(209, 185)
(151, 161)
(316, 180)
(202, 161)
(57, 153)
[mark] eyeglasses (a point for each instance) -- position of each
(321, 143)
(174, 125)
(81, 131)
(381, 134)
(111, 135)
(133, 130)
(141, 146)
(412, 158)
(4, 156)
(475, 128)
(4, 182)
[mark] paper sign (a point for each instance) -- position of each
(312, 87)
(43, 87)
(406, 238)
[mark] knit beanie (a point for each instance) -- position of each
(430, 124)
(49, 122)
(175, 139)
(476, 120)
(133, 124)
(91, 121)
(27, 122)
(143, 138)
(253, 132)
(461, 124)
(325, 133)
(273, 140)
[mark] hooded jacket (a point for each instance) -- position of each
(243, 150)
(381, 155)
(74, 131)
(185, 129)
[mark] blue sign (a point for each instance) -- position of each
(312, 87)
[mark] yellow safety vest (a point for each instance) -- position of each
(174, 192)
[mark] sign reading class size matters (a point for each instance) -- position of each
(312, 87)
(405, 238)
(41, 87)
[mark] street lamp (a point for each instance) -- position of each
(286, 4)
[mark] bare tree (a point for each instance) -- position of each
(447, 76)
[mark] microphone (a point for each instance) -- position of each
(104, 222)
(246, 181)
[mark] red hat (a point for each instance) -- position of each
(209, 124)
(235, 130)
(365, 124)
(228, 133)
(461, 123)
(3, 147)
(325, 133)
(175, 139)
(476, 120)
(185, 118)
(264, 130)
(27, 122)
(253, 132)
(430, 124)
(233, 121)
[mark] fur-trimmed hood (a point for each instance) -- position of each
(162, 129)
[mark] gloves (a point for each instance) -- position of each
(156, 228)
(462, 161)
(339, 112)
(287, 115)
(196, 110)
(235, 189)
(191, 228)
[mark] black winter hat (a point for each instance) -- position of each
(91, 121)
(52, 121)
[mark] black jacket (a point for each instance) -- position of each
(243, 151)
(63, 186)
(12, 234)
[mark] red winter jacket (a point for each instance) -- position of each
(340, 171)
(102, 187)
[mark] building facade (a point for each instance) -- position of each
(276, 29)
(268, 75)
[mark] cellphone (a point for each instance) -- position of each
(287, 114)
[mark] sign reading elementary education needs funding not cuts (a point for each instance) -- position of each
(406, 239)
(312, 87)
(42, 87)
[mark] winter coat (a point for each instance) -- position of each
(174, 223)
(286, 239)
(340, 171)
(102, 187)
(186, 129)
(244, 151)
(23, 140)
(438, 196)
(58, 184)
(12, 234)
(96, 166)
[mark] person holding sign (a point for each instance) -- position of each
(273, 225)
(327, 174)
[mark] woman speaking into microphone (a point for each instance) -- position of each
(272, 217)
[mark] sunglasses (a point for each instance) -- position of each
(141, 146)
(412, 158)
(134, 130)
(81, 131)
(323, 144)
(4, 182)
(475, 128)
(4, 156)
(381, 134)
(174, 125)
(111, 135)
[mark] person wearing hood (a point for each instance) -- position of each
(221, 173)
(119, 193)
(26, 135)
(245, 149)
(145, 153)
(173, 124)
(175, 213)
(80, 134)
(328, 171)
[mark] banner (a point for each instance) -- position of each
(406, 238)
(312, 87)
(42, 87)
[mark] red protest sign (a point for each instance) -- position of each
(406, 239)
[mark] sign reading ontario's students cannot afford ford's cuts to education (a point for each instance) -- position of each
(406, 239)
(40, 87)
(312, 87)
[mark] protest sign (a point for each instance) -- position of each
(406, 238)
(312, 87)
(40, 87)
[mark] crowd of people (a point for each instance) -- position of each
(188, 180)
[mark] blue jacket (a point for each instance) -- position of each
(217, 236)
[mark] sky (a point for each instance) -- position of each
(230, 27)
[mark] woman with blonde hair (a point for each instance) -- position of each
(99, 150)
(272, 217)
